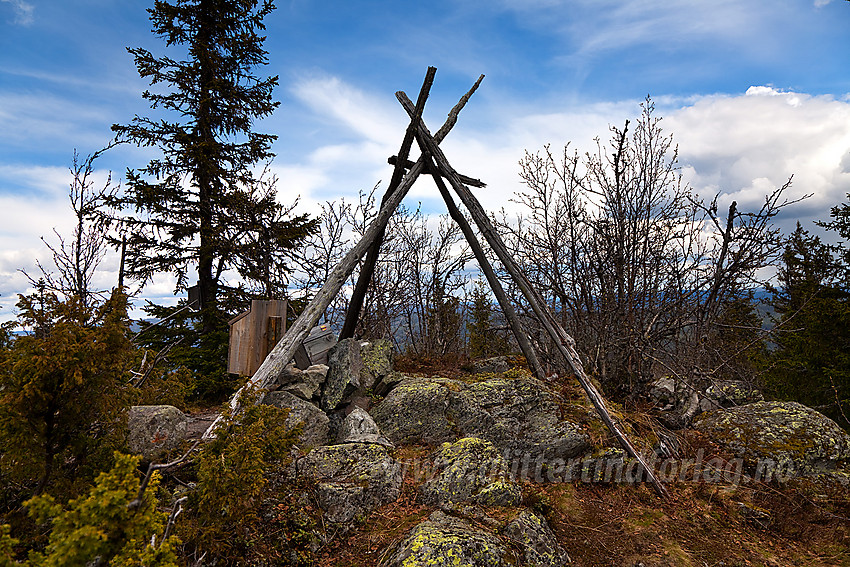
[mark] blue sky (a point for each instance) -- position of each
(753, 91)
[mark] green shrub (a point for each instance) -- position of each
(223, 517)
(101, 524)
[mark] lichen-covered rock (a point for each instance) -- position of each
(728, 394)
(519, 416)
(415, 411)
(314, 422)
(496, 364)
(803, 441)
(533, 534)
(446, 540)
(386, 383)
(470, 470)
(359, 427)
(343, 378)
(354, 368)
(306, 384)
(153, 431)
(522, 416)
(352, 479)
(377, 359)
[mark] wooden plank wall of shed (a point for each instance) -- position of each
(254, 335)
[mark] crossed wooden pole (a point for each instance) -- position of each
(434, 162)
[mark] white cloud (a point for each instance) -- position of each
(746, 145)
(23, 11)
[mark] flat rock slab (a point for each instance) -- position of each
(314, 422)
(804, 441)
(153, 431)
(520, 416)
(352, 479)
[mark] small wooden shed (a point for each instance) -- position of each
(254, 333)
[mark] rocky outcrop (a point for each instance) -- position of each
(154, 431)
(519, 416)
(797, 439)
(351, 479)
(446, 540)
(470, 470)
(313, 421)
(534, 536)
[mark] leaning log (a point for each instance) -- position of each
(367, 270)
(562, 340)
(283, 352)
(508, 309)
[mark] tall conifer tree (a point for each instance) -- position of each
(199, 203)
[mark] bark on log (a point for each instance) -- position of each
(490, 274)
(562, 340)
(283, 352)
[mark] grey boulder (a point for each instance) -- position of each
(470, 470)
(793, 439)
(351, 479)
(313, 421)
(520, 416)
(154, 431)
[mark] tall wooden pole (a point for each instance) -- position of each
(563, 341)
(508, 309)
(367, 270)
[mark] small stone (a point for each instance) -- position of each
(358, 422)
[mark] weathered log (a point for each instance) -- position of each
(367, 270)
(283, 352)
(468, 181)
(562, 340)
(515, 325)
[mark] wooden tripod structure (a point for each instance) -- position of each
(434, 162)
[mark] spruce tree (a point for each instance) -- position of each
(200, 202)
(811, 363)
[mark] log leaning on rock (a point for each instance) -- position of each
(283, 352)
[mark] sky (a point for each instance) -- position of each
(753, 92)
